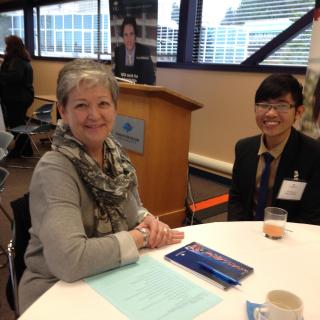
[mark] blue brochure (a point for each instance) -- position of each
(209, 264)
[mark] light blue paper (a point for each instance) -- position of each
(149, 290)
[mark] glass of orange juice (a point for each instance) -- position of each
(274, 222)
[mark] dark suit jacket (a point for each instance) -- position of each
(141, 72)
(301, 153)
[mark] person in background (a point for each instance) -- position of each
(86, 213)
(316, 103)
(280, 167)
(16, 90)
(132, 60)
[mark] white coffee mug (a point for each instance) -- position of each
(280, 305)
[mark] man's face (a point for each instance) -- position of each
(276, 125)
(129, 37)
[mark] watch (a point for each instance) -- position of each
(145, 232)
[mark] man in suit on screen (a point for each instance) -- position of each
(132, 60)
(280, 167)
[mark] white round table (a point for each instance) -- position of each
(292, 263)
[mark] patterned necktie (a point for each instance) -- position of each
(263, 189)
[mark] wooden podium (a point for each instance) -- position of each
(162, 168)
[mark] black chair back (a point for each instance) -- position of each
(21, 236)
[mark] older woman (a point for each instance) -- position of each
(85, 208)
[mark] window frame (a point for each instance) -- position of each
(188, 26)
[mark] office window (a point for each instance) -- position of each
(42, 23)
(78, 21)
(58, 22)
(168, 28)
(50, 40)
(233, 30)
(59, 40)
(221, 32)
(67, 21)
(77, 41)
(70, 29)
(95, 41)
(11, 23)
(35, 30)
(68, 41)
(105, 36)
(49, 22)
(87, 20)
(87, 42)
(295, 52)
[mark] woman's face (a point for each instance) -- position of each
(90, 114)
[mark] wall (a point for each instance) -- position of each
(45, 76)
(228, 112)
(227, 97)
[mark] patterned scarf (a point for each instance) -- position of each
(109, 187)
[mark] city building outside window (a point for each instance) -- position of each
(168, 28)
(233, 30)
(73, 30)
(11, 23)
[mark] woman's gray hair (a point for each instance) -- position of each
(86, 71)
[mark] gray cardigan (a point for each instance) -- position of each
(62, 244)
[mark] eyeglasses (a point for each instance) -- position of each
(279, 107)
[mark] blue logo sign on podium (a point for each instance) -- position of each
(129, 132)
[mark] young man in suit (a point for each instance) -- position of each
(132, 60)
(280, 167)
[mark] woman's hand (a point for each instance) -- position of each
(160, 233)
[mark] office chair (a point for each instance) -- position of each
(5, 140)
(16, 249)
(3, 176)
(39, 122)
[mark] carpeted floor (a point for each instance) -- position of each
(207, 197)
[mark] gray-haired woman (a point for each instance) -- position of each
(86, 213)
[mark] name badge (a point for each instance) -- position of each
(142, 57)
(291, 189)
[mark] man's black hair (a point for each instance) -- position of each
(132, 21)
(278, 85)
